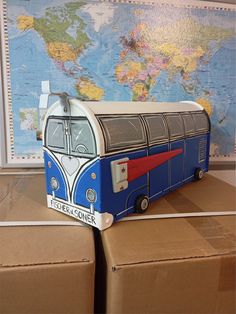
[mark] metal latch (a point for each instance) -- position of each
(119, 173)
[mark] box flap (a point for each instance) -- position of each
(131, 242)
(24, 198)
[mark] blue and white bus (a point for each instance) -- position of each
(105, 160)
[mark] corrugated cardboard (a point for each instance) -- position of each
(46, 269)
(173, 265)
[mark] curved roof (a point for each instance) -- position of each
(124, 107)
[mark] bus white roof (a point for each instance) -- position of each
(125, 107)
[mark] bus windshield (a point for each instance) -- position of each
(82, 139)
(55, 136)
(73, 137)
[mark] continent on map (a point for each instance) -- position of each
(63, 32)
(87, 90)
(206, 104)
(62, 52)
(25, 22)
(28, 119)
(172, 49)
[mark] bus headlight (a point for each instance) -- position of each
(54, 183)
(91, 195)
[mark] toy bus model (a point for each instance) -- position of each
(105, 160)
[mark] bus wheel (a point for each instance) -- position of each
(198, 174)
(141, 204)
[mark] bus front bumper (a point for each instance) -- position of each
(99, 220)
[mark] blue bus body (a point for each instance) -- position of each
(84, 189)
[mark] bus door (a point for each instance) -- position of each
(177, 141)
(82, 153)
(125, 141)
(158, 143)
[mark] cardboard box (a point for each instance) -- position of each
(173, 265)
(45, 269)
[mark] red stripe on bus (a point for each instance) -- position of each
(139, 167)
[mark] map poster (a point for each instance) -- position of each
(117, 51)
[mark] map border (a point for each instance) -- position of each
(9, 157)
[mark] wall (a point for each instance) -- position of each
(25, 105)
(2, 142)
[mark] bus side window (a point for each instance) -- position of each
(201, 122)
(123, 132)
(157, 128)
(175, 126)
(188, 124)
(55, 135)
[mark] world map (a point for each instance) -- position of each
(121, 52)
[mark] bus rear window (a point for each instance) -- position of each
(55, 135)
(123, 132)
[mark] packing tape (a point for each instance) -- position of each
(40, 223)
(216, 234)
(179, 215)
(21, 173)
(221, 239)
